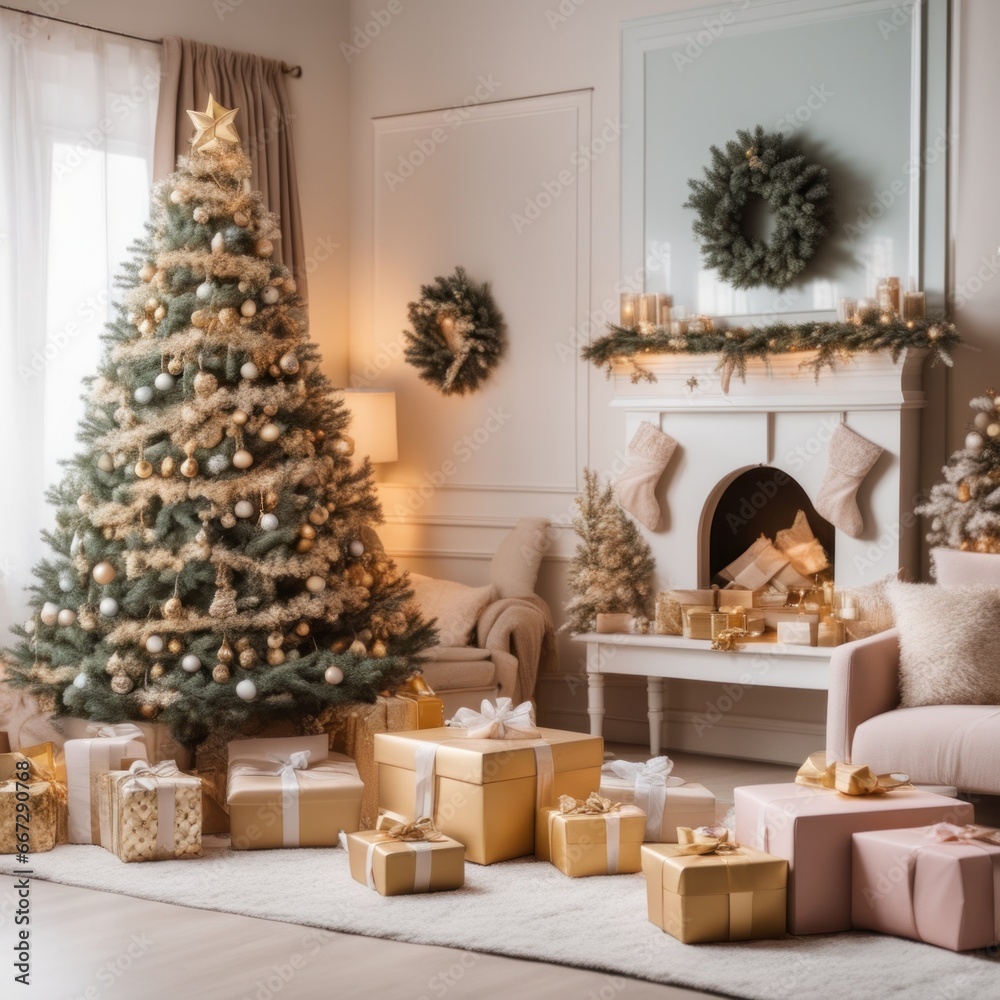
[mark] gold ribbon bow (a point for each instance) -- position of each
(421, 829)
(849, 779)
(593, 804)
(41, 767)
(947, 833)
(705, 840)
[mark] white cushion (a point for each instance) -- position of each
(454, 654)
(514, 569)
(455, 606)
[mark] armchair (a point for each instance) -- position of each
(507, 629)
(956, 745)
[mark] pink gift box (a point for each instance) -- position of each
(946, 894)
(812, 828)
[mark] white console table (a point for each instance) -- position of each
(656, 657)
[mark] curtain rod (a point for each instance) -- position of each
(295, 71)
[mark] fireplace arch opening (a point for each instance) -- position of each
(762, 500)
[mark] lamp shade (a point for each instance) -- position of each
(373, 423)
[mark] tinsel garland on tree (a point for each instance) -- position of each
(759, 164)
(213, 563)
(612, 569)
(457, 335)
(830, 343)
(965, 507)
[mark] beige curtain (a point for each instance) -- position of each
(256, 86)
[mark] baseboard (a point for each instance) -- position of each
(741, 736)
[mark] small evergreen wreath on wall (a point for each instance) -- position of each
(457, 335)
(760, 164)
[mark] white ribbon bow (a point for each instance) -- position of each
(943, 833)
(146, 776)
(109, 732)
(650, 783)
(503, 721)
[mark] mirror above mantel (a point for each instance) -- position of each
(859, 86)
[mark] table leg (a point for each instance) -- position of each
(654, 700)
(595, 703)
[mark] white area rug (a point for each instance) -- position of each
(528, 909)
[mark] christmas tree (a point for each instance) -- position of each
(213, 564)
(965, 508)
(613, 566)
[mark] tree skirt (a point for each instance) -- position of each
(528, 909)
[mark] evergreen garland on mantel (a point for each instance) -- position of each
(827, 342)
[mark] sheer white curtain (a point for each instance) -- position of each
(77, 120)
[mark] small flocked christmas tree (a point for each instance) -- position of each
(965, 508)
(613, 566)
(214, 565)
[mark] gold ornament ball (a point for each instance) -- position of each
(378, 648)
(264, 247)
(159, 313)
(242, 459)
(143, 469)
(333, 674)
(220, 673)
(228, 316)
(172, 607)
(156, 671)
(225, 653)
(240, 417)
(289, 363)
(270, 500)
(249, 308)
(200, 215)
(274, 371)
(106, 463)
(175, 646)
(269, 409)
(241, 218)
(148, 710)
(175, 366)
(304, 545)
(167, 467)
(344, 445)
(993, 430)
(241, 644)
(366, 579)
(275, 640)
(121, 684)
(227, 520)
(189, 467)
(315, 585)
(146, 272)
(302, 629)
(319, 515)
(201, 318)
(964, 492)
(357, 648)
(269, 433)
(248, 659)
(205, 383)
(104, 573)
(275, 657)
(307, 531)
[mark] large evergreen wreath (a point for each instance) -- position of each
(759, 163)
(457, 335)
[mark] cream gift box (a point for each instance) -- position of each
(102, 750)
(401, 859)
(735, 896)
(155, 736)
(936, 884)
(667, 801)
(290, 792)
(590, 837)
(150, 812)
(812, 828)
(483, 792)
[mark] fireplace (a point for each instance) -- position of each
(768, 434)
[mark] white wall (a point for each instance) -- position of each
(299, 32)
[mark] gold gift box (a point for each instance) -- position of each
(130, 816)
(736, 896)
(577, 843)
(329, 799)
(394, 863)
(484, 790)
(45, 822)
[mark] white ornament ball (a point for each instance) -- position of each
(218, 243)
(191, 664)
(66, 581)
(108, 607)
(106, 463)
(154, 644)
(268, 522)
(270, 295)
(356, 548)
(204, 291)
(104, 573)
(246, 689)
(80, 681)
(217, 464)
(143, 395)
(249, 308)
(49, 613)
(242, 459)
(974, 442)
(29, 626)
(66, 617)
(269, 433)
(289, 363)
(243, 509)
(176, 196)
(333, 675)
(200, 215)
(145, 327)
(981, 420)
(315, 585)
(249, 370)
(164, 382)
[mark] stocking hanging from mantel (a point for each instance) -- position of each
(648, 453)
(850, 458)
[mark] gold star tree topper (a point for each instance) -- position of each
(214, 124)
